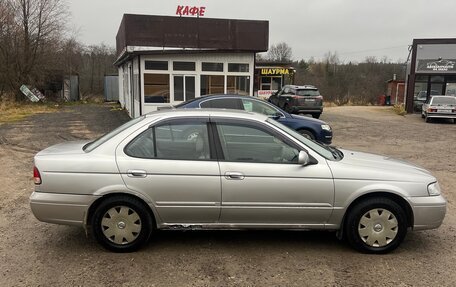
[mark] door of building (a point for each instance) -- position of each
(184, 87)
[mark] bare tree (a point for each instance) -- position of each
(280, 52)
(30, 37)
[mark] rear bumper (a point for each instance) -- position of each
(301, 109)
(428, 211)
(67, 209)
(441, 116)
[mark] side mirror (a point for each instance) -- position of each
(303, 158)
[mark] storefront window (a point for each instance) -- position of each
(156, 88)
(157, 65)
(211, 84)
(212, 67)
(271, 83)
(184, 66)
(238, 67)
(238, 85)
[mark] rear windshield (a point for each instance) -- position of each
(444, 101)
(308, 92)
(93, 145)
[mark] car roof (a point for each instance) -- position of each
(304, 87)
(239, 114)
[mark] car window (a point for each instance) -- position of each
(444, 101)
(259, 107)
(244, 143)
(230, 103)
(308, 92)
(287, 91)
(178, 141)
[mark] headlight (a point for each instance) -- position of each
(326, 127)
(434, 189)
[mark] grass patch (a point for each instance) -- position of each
(399, 109)
(13, 112)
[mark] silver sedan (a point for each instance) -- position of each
(442, 107)
(209, 169)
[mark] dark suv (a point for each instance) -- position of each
(299, 99)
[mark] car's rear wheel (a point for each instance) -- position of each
(376, 225)
(122, 224)
(422, 116)
(307, 134)
(316, 116)
(427, 119)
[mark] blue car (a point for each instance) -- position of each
(311, 128)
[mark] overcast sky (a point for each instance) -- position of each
(353, 28)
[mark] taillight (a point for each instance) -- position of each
(320, 97)
(36, 175)
(432, 110)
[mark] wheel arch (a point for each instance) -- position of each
(403, 203)
(309, 129)
(96, 203)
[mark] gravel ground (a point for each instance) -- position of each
(40, 254)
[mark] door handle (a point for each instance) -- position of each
(230, 175)
(136, 173)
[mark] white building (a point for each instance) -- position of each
(163, 60)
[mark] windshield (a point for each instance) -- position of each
(308, 92)
(93, 145)
(323, 150)
(444, 101)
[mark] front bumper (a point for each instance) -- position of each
(67, 209)
(428, 211)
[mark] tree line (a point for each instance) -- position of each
(36, 49)
(358, 83)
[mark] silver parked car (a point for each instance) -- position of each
(443, 107)
(211, 169)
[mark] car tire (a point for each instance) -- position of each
(122, 224)
(427, 119)
(316, 116)
(307, 134)
(422, 116)
(376, 225)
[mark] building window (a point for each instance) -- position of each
(238, 85)
(156, 88)
(212, 85)
(184, 88)
(184, 66)
(157, 65)
(271, 83)
(238, 68)
(212, 67)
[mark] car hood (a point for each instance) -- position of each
(73, 147)
(317, 121)
(378, 167)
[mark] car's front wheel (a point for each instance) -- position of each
(122, 224)
(376, 225)
(307, 134)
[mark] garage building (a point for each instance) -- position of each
(165, 60)
(432, 71)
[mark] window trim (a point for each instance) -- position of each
(179, 120)
(252, 124)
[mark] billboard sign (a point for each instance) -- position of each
(436, 66)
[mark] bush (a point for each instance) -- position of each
(399, 109)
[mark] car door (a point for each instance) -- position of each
(262, 183)
(172, 163)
